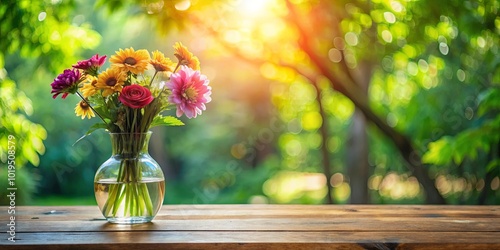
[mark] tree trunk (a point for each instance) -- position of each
(358, 168)
(357, 159)
(325, 156)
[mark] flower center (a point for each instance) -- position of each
(84, 105)
(135, 93)
(130, 61)
(111, 81)
(190, 94)
(159, 67)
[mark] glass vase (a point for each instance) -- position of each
(129, 187)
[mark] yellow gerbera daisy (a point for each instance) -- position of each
(161, 63)
(89, 86)
(131, 60)
(111, 81)
(83, 109)
(185, 57)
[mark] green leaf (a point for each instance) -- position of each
(492, 165)
(440, 152)
(489, 100)
(91, 130)
(166, 121)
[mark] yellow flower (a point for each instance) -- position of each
(131, 60)
(83, 109)
(111, 81)
(89, 86)
(185, 57)
(160, 62)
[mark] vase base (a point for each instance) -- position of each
(130, 220)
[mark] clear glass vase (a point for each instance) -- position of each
(129, 187)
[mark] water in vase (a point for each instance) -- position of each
(133, 202)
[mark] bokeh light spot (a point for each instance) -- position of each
(238, 151)
(42, 16)
(387, 36)
(461, 75)
(183, 5)
(389, 17)
(311, 120)
(443, 48)
(342, 192)
(335, 55)
(293, 148)
(392, 120)
(495, 183)
(336, 180)
(351, 38)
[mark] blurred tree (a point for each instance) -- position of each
(315, 30)
(476, 147)
(19, 137)
(392, 59)
(37, 30)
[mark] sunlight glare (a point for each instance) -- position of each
(183, 5)
(252, 7)
(232, 36)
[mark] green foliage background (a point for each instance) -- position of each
(434, 76)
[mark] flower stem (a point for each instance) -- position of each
(85, 100)
(152, 78)
(176, 67)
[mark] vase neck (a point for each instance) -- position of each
(129, 145)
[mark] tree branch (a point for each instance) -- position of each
(342, 84)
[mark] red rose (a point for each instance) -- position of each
(135, 96)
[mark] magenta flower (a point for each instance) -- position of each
(190, 91)
(66, 83)
(91, 66)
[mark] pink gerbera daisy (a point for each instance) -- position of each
(190, 91)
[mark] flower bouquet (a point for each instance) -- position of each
(130, 97)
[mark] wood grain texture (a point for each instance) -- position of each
(261, 227)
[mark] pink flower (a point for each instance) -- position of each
(91, 66)
(190, 91)
(135, 96)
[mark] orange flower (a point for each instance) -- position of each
(185, 57)
(111, 81)
(161, 63)
(131, 60)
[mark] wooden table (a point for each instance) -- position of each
(260, 227)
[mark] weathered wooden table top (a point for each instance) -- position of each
(259, 227)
